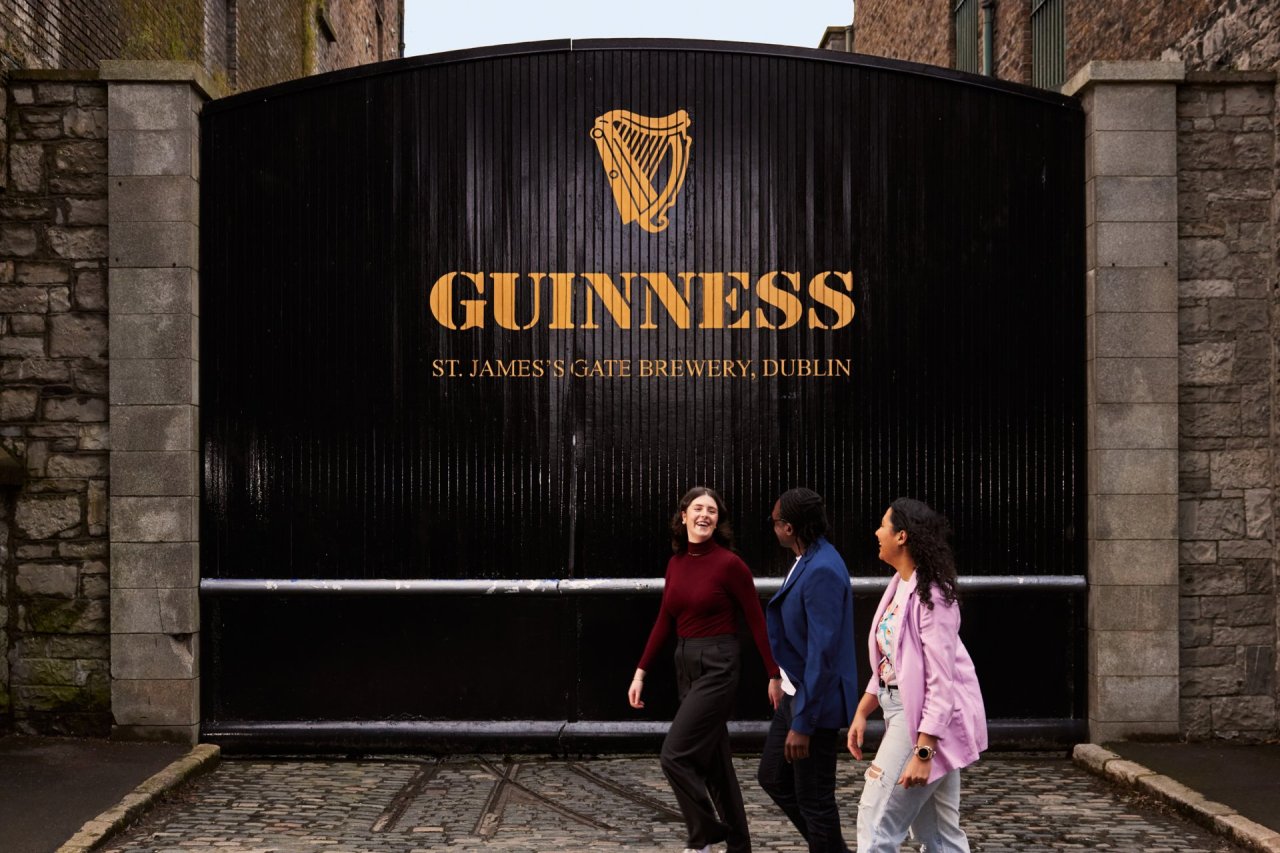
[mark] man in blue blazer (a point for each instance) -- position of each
(811, 635)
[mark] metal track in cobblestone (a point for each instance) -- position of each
(1021, 804)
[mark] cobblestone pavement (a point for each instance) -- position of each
(535, 804)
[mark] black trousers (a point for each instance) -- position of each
(695, 754)
(805, 790)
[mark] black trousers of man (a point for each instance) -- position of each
(695, 754)
(805, 790)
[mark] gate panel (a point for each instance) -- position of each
(345, 437)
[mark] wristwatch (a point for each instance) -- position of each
(925, 753)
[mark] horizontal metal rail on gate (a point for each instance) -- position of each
(580, 586)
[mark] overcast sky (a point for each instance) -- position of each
(432, 26)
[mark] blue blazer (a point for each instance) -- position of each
(811, 635)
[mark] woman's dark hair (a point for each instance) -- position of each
(804, 511)
(723, 532)
(928, 543)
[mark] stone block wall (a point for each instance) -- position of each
(1227, 331)
(53, 401)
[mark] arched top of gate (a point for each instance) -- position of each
(555, 46)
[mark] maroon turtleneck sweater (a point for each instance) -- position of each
(706, 585)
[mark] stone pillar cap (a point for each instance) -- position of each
(161, 71)
(1117, 71)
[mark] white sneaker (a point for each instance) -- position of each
(706, 849)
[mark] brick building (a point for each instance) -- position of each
(1182, 153)
(80, 214)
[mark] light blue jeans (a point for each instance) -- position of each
(887, 811)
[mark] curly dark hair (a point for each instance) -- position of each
(723, 532)
(804, 510)
(928, 543)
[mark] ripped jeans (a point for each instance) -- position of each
(887, 811)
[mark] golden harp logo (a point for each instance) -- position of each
(638, 153)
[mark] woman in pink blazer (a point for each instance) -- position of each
(924, 681)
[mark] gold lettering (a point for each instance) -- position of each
(618, 306)
(504, 300)
(782, 299)
(838, 302)
(660, 283)
(442, 301)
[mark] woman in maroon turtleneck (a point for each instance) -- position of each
(707, 585)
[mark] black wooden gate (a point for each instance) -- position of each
(472, 322)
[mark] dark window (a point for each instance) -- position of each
(966, 18)
(1048, 44)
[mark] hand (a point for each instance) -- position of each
(633, 693)
(775, 692)
(857, 731)
(916, 774)
(796, 748)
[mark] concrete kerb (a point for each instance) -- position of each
(200, 759)
(1215, 816)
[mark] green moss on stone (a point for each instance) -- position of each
(163, 30)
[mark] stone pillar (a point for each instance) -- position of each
(153, 172)
(1131, 254)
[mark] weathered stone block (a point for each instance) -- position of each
(85, 123)
(155, 565)
(85, 242)
(1209, 419)
(151, 336)
(80, 159)
(152, 519)
(18, 241)
(1244, 714)
(1206, 363)
(97, 504)
(55, 580)
(155, 611)
(152, 656)
(1244, 635)
(1135, 653)
(154, 244)
(1208, 518)
(1229, 315)
(1193, 553)
(1134, 471)
(1257, 513)
(1209, 682)
(88, 211)
(1245, 610)
(1207, 656)
(1133, 608)
(72, 466)
(41, 272)
(1133, 562)
(1135, 199)
(1133, 699)
(46, 516)
(155, 198)
(75, 409)
(153, 381)
(150, 106)
(1148, 334)
(1136, 244)
(151, 152)
(50, 673)
(153, 291)
(43, 615)
(90, 290)
(1135, 425)
(1134, 516)
(24, 300)
(152, 702)
(1213, 580)
(1240, 469)
(155, 473)
(27, 168)
(15, 347)
(1135, 152)
(82, 335)
(18, 404)
(1135, 380)
(1259, 669)
(1245, 549)
(153, 428)
(1134, 106)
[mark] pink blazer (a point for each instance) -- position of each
(936, 679)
